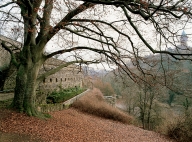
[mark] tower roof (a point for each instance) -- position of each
(183, 33)
(184, 39)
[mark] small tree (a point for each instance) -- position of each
(171, 97)
(148, 96)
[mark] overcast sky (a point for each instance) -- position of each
(109, 14)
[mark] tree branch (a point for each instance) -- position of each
(94, 39)
(52, 71)
(100, 51)
(13, 58)
(7, 4)
(68, 17)
(141, 8)
(45, 23)
(147, 44)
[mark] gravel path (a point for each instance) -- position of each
(74, 126)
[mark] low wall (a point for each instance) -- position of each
(60, 106)
(111, 100)
(6, 96)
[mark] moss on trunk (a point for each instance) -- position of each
(25, 90)
(20, 89)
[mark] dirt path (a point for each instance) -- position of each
(73, 126)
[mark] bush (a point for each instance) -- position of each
(94, 103)
(181, 129)
(63, 95)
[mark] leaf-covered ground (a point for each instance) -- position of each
(70, 125)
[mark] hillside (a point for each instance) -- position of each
(84, 122)
(73, 125)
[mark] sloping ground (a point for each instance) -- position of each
(78, 124)
(72, 125)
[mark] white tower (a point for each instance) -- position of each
(184, 39)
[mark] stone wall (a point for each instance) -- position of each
(10, 82)
(5, 57)
(65, 78)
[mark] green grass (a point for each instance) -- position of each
(64, 95)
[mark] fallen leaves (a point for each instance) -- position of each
(72, 125)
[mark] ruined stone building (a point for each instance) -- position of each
(65, 78)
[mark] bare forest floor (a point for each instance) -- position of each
(72, 125)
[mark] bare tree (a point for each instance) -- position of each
(112, 40)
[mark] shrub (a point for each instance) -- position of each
(94, 103)
(181, 129)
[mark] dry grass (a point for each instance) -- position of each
(93, 103)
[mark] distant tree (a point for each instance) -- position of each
(105, 87)
(141, 98)
(44, 20)
(186, 104)
(171, 97)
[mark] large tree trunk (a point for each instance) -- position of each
(26, 84)
(25, 90)
(3, 75)
(30, 94)
(20, 89)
